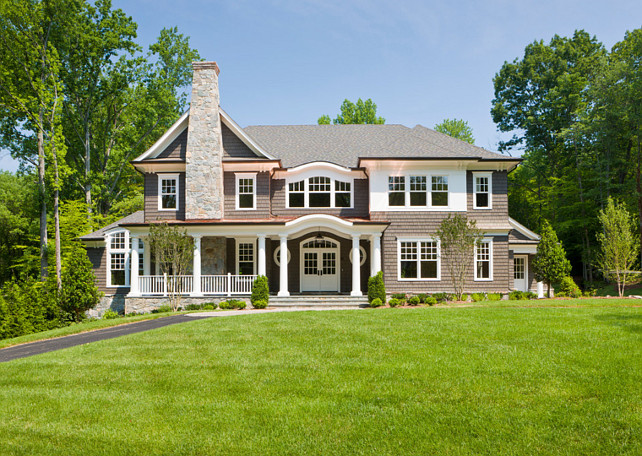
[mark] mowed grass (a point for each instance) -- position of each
(473, 380)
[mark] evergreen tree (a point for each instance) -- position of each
(550, 264)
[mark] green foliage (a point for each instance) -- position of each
(260, 290)
(567, 287)
(517, 295)
(193, 307)
(376, 302)
(110, 315)
(363, 112)
(440, 296)
(458, 237)
(376, 287)
(225, 305)
(422, 297)
(238, 304)
(618, 244)
(79, 291)
(260, 304)
(414, 300)
(162, 309)
(477, 297)
(207, 307)
(431, 301)
(394, 302)
(494, 296)
(457, 128)
(401, 297)
(550, 264)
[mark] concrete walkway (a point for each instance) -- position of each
(49, 345)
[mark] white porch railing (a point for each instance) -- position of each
(228, 284)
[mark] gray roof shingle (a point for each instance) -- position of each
(345, 144)
(136, 217)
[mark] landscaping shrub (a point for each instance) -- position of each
(193, 307)
(494, 296)
(431, 301)
(477, 297)
(225, 305)
(110, 315)
(401, 297)
(260, 290)
(414, 301)
(568, 287)
(376, 302)
(162, 309)
(207, 307)
(517, 295)
(260, 304)
(440, 296)
(79, 292)
(422, 297)
(238, 304)
(531, 295)
(394, 302)
(376, 288)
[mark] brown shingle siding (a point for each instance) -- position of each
(151, 200)
(262, 197)
(233, 147)
(177, 148)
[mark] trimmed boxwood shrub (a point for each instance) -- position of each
(440, 296)
(494, 296)
(110, 315)
(260, 290)
(394, 302)
(376, 302)
(517, 295)
(260, 304)
(225, 305)
(399, 297)
(568, 287)
(162, 309)
(238, 304)
(376, 288)
(414, 301)
(422, 297)
(431, 301)
(207, 307)
(478, 297)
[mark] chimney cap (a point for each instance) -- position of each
(206, 66)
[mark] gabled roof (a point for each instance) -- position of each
(521, 234)
(99, 235)
(346, 144)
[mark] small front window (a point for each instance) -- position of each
(297, 194)
(341, 194)
(439, 193)
(482, 192)
(319, 191)
(246, 258)
(246, 193)
(169, 192)
(396, 191)
(482, 261)
(418, 191)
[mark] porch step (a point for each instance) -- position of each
(339, 301)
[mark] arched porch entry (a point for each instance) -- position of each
(320, 265)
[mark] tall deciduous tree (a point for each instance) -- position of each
(361, 112)
(457, 128)
(458, 237)
(618, 244)
(550, 264)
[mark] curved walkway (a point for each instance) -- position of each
(49, 345)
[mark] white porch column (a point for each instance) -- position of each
(196, 269)
(356, 267)
(147, 258)
(283, 282)
(261, 268)
(375, 254)
(134, 289)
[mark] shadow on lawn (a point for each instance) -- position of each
(632, 323)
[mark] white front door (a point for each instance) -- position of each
(520, 272)
(319, 265)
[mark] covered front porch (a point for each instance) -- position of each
(320, 252)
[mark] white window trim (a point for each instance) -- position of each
(306, 192)
(489, 175)
(240, 176)
(489, 241)
(160, 189)
(418, 240)
(428, 206)
(124, 250)
(254, 254)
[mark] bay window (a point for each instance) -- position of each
(117, 257)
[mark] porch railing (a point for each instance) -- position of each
(227, 285)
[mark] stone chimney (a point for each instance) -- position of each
(204, 155)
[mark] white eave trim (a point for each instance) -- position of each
(522, 229)
(238, 131)
(170, 135)
(315, 167)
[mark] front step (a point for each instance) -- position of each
(326, 301)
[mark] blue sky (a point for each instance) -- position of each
(289, 61)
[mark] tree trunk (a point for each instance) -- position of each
(44, 264)
(87, 172)
(57, 219)
(638, 188)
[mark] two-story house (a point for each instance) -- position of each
(316, 208)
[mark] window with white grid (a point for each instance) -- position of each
(168, 192)
(419, 259)
(519, 268)
(483, 260)
(396, 190)
(418, 191)
(319, 191)
(117, 267)
(341, 194)
(245, 192)
(246, 258)
(296, 195)
(118, 241)
(482, 191)
(439, 191)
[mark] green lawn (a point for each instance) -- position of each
(444, 380)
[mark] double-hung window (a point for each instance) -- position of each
(246, 191)
(341, 194)
(296, 194)
(118, 254)
(418, 191)
(482, 184)
(168, 192)
(484, 260)
(319, 190)
(245, 258)
(419, 260)
(396, 191)
(439, 191)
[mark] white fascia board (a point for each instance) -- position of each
(238, 131)
(523, 248)
(170, 135)
(522, 229)
(314, 168)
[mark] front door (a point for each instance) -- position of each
(520, 273)
(319, 265)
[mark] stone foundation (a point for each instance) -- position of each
(114, 303)
(147, 304)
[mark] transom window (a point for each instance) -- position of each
(168, 192)
(246, 258)
(319, 191)
(418, 191)
(319, 244)
(483, 260)
(118, 241)
(245, 191)
(419, 260)
(482, 187)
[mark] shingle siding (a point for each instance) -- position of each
(177, 149)
(151, 200)
(262, 210)
(98, 258)
(233, 147)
